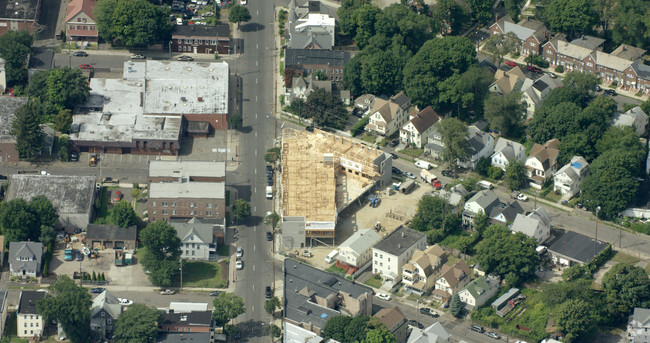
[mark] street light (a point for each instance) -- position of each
(596, 235)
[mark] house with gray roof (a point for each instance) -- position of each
(452, 198)
(199, 237)
(479, 291)
(73, 196)
(634, 117)
(573, 248)
(105, 310)
(506, 151)
(434, 144)
(629, 52)
(30, 323)
(25, 258)
(536, 224)
(416, 130)
(534, 92)
(313, 31)
(483, 201)
(312, 296)
(302, 86)
(395, 321)
(110, 236)
(530, 33)
(356, 251)
(395, 250)
(638, 327)
(505, 213)
(568, 179)
(589, 42)
(434, 333)
(481, 144)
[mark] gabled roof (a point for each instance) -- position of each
(572, 50)
(510, 211)
(479, 286)
(508, 148)
(576, 246)
(574, 168)
(453, 274)
(508, 81)
(388, 108)
(424, 119)
(545, 153)
(108, 302)
(486, 199)
(628, 52)
(111, 232)
(361, 240)
(477, 141)
(541, 215)
(76, 6)
(611, 61)
(398, 241)
(25, 250)
(525, 224)
(390, 316)
(642, 317)
(589, 42)
(201, 229)
(426, 259)
(435, 333)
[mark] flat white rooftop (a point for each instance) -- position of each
(187, 190)
(185, 169)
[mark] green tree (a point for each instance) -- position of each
(512, 7)
(239, 14)
(481, 222)
(235, 121)
(624, 138)
(27, 129)
(495, 173)
(483, 165)
(645, 106)
(507, 254)
(572, 17)
(347, 22)
(15, 46)
(43, 211)
(515, 175)
(437, 60)
(123, 214)
(454, 138)
(271, 305)
(37, 86)
(465, 93)
(63, 147)
(48, 235)
(556, 293)
(357, 329)
(365, 19)
(351, 76)
(381, 73)
(431, 214)
(500, 45)
(576, 319)
(630, 18)
(325, 109)
(162, 273)
(272, 219)
(451, 15)
(577, 144)
(577, 271)
(139, 323)
(161, 241)
(241, 209)
(335, 328)
(66, 88)
(456, 306)
(584, 83)
(272, 155)
(133, 23)
(68, 304)
(18, 221)
(227, 306)
(481, 10)
(379, 335)
(504, 113)
(626, 287)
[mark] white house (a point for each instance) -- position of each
(635, 117)
(567, 180)
(104, 312)
(25, 258)
(481, 144)
(533, 94)
(395, 250)
(419, 274)
(479, 291)
(506, 151)
(388, 116)
(434, 333)
(419, 127)
(536, 224)
(29, 322)
(356, 251)
(452, 279)
(541, 163)
(199, 237)
(638, 328)
(434, 144)
(483, 201)
(302, 86)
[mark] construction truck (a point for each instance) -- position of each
(428, 176)
(93, 160)
(119, 257)
(375, 200)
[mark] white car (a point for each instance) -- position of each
(137, 57)
(240, 252)
(243, 2)
(409, 175)
(383, 296)
(522, 197)
(239, 265)
(124, 301)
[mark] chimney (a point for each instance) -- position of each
(403, 234)
(399, 245)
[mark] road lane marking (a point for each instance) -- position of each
(255, 171)
(257, 46)
(256, 80)
(253, 267)
(253, 247)
(256, 63)
(256, 98)
(253, 309)
(255, 133)
(256, 154)
(254, 208)
(255, 115)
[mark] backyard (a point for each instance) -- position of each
(205, 274)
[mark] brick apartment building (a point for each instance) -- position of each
(202, 39)
(19, 15)
(531, 33)
(310, 61)
(186, 189)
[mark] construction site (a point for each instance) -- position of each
(322, 174)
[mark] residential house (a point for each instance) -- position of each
(25, 258)
(541, 163)
(506, 82)
(395, 321)
(535, 92)
(434, 144)
(182, 337)
(3, 77)
(356, 251)
(81, 27)
(454, 199)
(3, 311)
(634, 117)
(506, 151)
(202, 39)
(452, 279)
(186, 189)
(302, 86)
(330, 62)
(629, 52)
(435, 333)
(420, 273)
(29, 322)
(573, 248)
(312, 297)
(417, 129)
(506, 213)
(537, 224)
(568, 179)
(483, 201)
(8, 107)
(589, 42)
(102, 237)
(638, 327)
(388, 116)
(200, 237)
(194, 321)
(22, 17)
(395, 250)
(365, 102)
(310, 26)
(479, 291)
(481, 144)
(531, 33)
(105, 310)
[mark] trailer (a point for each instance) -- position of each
(407, 186)
(428, 176)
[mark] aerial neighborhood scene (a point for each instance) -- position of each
(325, 171)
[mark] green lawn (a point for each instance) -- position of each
(224, 250)
(372, 282)
(412, 152)
(103, 213)
(202, 274)
(624, 258)
(337, 270)
(369, 138)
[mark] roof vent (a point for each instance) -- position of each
(200, 99)
(184, 99)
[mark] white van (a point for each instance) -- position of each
(485, 184)
(179, 21)
(423, 165)
(330, 257)
(269, 192)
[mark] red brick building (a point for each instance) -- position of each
(531, 33)
(202, 39)
(331, 62)
(19, 15)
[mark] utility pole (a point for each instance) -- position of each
(596, 234)
(181, 259)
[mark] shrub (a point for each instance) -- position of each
(559, 69)
(495, 172)
(357, 128)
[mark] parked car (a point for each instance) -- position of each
(429, 312)
(511, 63)
(118, 196)
(137, 57)
(534, 69)
(383, 296)
(240, 252)
(394, 155)
(397, 171)
(243, 2)
(268, 293)
(269, 236)
(269, 170)
(310, 128)
(125, 302)
(185, 58)
(597, 89)
(80, 54)
(79, 256)
(552, 75)
(409, 175)
(394, 143)
(239, 265)
(215, 293)
(86, 66)
(269, 180)
(477, 328)
(3, 177)
(167, 292)
(96, 290)
(437, 185)
(611, 92)
(74, 156)
(416, 324)
(519, 196)
(493, 335)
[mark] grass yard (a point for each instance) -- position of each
(452, 240)
(624, 258)
(103, 213)
(224, 250)
(337, 270)
(202, 274)
(369, 138)
(372, 282)
(412, 152)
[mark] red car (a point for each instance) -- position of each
(118, 196)
(437, 185)
(511, 63)
(86, 66)
(534, 69)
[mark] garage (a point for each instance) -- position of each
(103, 237)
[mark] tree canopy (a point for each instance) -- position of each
(139, 323)
(238, 14)
(27, 129)
(576, 319)
(454, 138)
(325, 109)
(434, 213)
(21, 220)
(134, 23)
(500, 45)
(68, 304)
(515, 175)
(572, 17)
(123, 214)
(504, 113)
(241, 209)
(451, 15)
(630, 21)
(15, 46)
(227, 306)
(464, 94)
(162, 253)
(357, 329)
(65, 88)
(626, 287)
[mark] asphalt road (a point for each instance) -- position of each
(255, 67)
